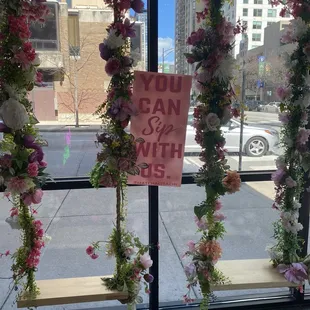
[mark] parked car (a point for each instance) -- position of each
(257, 141)
(252, 105)
(261, 106)
(272, 107)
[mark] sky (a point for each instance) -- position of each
(166, 29)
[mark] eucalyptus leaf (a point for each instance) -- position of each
(200, 211)
(12, 171)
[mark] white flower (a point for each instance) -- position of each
(212, 121)
(299, 28)
(14, 114)
(290, 222)
(280, 162)
(224, 70)
(297, 205)
(13, 222)
(46, 239)
(13, 91)
(274, 254)
(114, 41)
(36, 61)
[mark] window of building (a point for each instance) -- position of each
(45, 36)
(245, 1)
(272, 13)
(257, 25)
(258, 12)
(256, 37)
(258, 1)
(245, 12)
(74, 35)
(270, 23)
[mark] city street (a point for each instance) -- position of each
(79, 156)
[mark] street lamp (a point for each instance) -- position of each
(165, 53)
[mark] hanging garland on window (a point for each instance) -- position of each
(291, 167)
(22, 168)
(118, 156)
(212, 45)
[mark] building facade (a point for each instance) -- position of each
(185, 12)
(73, 71)
(142, 18)
(256, 15)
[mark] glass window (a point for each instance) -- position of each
(256, 36)
(245, 1)
(272, 12)
(45, 36)
(270, 23)
(73, 34)
(258, 1)
(245, 12)
(257, 25)
(258, 12)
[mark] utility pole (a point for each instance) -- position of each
(243, 52)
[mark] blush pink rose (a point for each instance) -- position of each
(191, 245)
(212, 121)
(146, 261)
(37, 196)
(33, 170)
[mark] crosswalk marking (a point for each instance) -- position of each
(255, 159)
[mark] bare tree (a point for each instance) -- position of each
(76, 58)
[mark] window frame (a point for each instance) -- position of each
(258, 10)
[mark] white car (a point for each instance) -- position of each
(257, 141)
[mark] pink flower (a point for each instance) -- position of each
(284, 117)
(303, 136)
(17, 185)
(126, 29)
(90, 250)
(37, 196)
(125, 5)
(218, 205)
(190, 60)
(191, 245)
(113, 66)
(43, 164)
(283, 93)
(14, 212)
(27, 199)
(232, 182)
(290, 182)
(235, 112)
(7, 253)
(201, 224)
(33, 170)
(211, 249)
(146, 261)
(218, 216)
(196, 37)
(277, 176)
(6, 161)
(94, 256)
(190, 270)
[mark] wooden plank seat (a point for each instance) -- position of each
(243, 274)
(70, 291)
(251, 274)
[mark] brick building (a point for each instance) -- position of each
(70, 62)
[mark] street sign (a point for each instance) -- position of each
(261, 58)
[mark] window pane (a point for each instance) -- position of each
(45, 36)
(245, 1)
(257, 25)
(257, 12)
(245, 12)
(272, 13)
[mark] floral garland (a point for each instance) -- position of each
(22, 168)
(118, 156)
(211, 50)
(295, 162)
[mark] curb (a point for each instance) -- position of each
(65, 128)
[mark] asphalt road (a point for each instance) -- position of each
(78, 158)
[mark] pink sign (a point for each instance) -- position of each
(163, 103)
